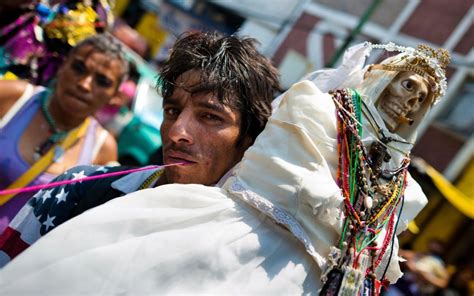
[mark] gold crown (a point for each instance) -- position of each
(424, 61)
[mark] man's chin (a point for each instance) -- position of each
(182, 175)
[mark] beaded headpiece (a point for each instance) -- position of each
(35, 44)
(425, 61)
(73, 25)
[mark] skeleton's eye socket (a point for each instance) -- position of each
(408, 84)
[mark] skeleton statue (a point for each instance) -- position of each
(404, 87)
(402, 98)
(395, 97)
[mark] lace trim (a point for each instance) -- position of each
(278, 215)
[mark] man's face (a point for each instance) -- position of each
(87, 80)
(199, 130)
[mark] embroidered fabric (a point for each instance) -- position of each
(278, 215)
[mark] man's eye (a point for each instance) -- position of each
(211, 117)
(171, 112)
(78, 67)
(408, 84)
(103, 81)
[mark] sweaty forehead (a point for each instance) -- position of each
(189, 81)
(187, 92)
(193, 83)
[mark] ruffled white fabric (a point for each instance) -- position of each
(168, 240)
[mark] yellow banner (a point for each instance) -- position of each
(462, 202)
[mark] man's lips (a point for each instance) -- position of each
(176, 156)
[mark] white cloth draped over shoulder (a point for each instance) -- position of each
(168, 240)
(268, 229)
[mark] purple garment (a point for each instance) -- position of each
(12, 165)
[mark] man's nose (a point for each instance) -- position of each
(85, 83)
(181, 129)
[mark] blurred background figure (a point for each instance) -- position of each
(460, 284)
(424, 273)
(131, 38)
(44, 132)
(109, 115)
(36, 35)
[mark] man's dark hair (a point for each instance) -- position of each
(108, 45)
(231, 68)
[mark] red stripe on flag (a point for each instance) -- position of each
(11, 242)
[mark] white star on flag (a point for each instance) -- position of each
(79, 175)
(61, 196)
(49, 222)
(46, 195)
(102, 169)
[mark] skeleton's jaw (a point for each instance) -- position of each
(390, 122)
(390, 112)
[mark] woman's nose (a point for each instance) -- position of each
(85, 83)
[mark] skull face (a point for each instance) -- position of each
(402, 98)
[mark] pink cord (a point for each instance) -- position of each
(65, 182)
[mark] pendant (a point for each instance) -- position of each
(58, 153)
(333, 283)
(36, 156)
(368, 202)
(368, 287)
(354, 276)
(352, 281)
(42, 149)
(377, 286)
(333, 260)
(378, 154)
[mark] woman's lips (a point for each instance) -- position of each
(80, 98)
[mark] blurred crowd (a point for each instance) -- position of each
(68, 85)
(36, 37)
(428, 273)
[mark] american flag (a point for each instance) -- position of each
(49, 208)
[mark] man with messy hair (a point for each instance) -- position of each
(217, 94)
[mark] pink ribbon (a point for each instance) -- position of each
(65, 182)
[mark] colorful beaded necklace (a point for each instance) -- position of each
(370, 203)
(56, 136)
